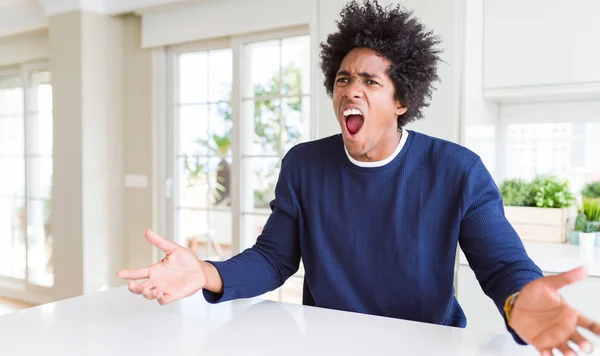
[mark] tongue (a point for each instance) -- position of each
(354, 123)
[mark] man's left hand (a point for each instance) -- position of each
(542, 318)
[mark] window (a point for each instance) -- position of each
(558, 139)
(231, 127)
(204, 158)
(276, 101)
(25, 193)
(567, 150)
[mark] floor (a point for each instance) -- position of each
(9, 306)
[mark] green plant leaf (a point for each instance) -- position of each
(551, 192)
(591, 209)
(591, 190)
(515, 192)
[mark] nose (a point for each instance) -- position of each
(354, 89)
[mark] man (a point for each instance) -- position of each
(377, 212)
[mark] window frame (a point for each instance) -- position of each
(240, 78)
(172, 127)
(10, 286)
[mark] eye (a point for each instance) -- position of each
(372, 82)
(342, 80)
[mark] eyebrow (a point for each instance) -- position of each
(361, 74)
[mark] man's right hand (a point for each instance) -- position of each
(178, 275)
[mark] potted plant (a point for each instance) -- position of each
(591, 190)
(218, 146)
(587, 238)
(591, 210)
(538, 210)
(516, 192)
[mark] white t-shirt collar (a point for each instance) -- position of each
(382, 162)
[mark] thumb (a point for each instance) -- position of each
(560, 280)
(160, 242)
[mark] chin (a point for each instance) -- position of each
(354, 145)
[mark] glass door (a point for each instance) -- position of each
(13, 220)
(26, 164)
(201, 145)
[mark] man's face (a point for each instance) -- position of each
(364, 103)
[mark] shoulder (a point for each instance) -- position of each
(442, 153)
(308, 160)
(312, 151)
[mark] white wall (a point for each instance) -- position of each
(220, 19)
(476, 111)
(480, 117)
(23, 48)
(541, 42)
(445, 19)
(103, 162)
(86, 63)
(574, 111)
(138, 126)
(22, 17)
(326, 13)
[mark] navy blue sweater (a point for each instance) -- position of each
(383, 240)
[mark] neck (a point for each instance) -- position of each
(386, 147)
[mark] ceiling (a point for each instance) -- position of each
(112, 7)
(5, 3)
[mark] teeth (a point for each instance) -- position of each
(352, 112)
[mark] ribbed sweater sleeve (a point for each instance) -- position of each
(494, 250)
(272, 260)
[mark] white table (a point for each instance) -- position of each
(552, 259)
(116, 322)
(555, 258)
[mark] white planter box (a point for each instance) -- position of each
(539, 224)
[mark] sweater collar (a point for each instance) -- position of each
(384, 161)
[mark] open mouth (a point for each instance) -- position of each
(354, 120)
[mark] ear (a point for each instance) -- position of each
(400, 109)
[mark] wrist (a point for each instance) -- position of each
(214, 282)
(509, 306)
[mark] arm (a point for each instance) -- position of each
(262, 268)
(492, 247)
(270, 262)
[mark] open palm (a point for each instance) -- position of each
(543, 319)
(178, 275)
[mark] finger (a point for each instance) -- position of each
(589, 324)
(560, 280)
(566, 350)
(135, 288)
(149, 293)
(583, 344)
(138, 288)
(165, 299)
(160, 242)
(133, 273)
(551, 337)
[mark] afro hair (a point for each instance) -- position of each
(396, 35)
